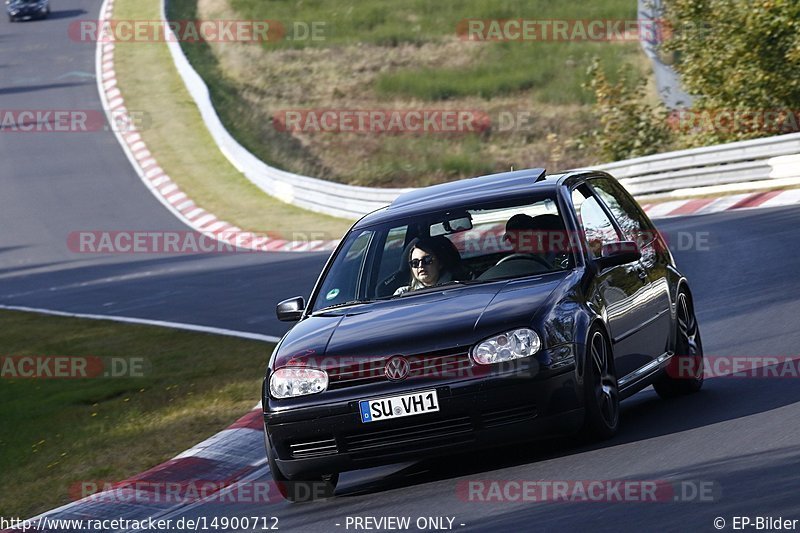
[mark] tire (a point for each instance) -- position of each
(11, 19)
(601, 392)
(295, 491)
(684, 373)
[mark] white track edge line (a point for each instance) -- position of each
(147, 322)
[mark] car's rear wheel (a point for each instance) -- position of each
(601, 393)
(684, 374)
(309, 489)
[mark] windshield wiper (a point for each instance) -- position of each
(343, 304)
(446, 285)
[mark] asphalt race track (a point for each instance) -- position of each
(738, 436)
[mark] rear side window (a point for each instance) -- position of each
(627, 213)
(597, 227)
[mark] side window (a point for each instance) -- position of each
(629, 216)
(596, 225)
(392, 250)
(349, 267)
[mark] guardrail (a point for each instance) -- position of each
(739, 162)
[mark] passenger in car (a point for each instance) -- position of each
(431, 263)
(543, 236)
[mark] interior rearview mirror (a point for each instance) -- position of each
(291, 310)
(451, 225)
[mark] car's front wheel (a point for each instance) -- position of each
(309, 489)
(684, 373)
(601, 392)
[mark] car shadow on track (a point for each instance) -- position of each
(644, 416)
(66, 14)
(36, 88)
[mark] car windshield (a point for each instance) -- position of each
(468, 245)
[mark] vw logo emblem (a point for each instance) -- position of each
(397, 368)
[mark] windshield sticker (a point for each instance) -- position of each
(333, 293)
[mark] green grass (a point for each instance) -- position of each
(180, 142)
(58, 432)
(501, 68)
(552, 72)
(383, 54)
(389, 23)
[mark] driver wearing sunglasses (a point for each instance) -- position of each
(426, 264)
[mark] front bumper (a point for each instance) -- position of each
(476, 413)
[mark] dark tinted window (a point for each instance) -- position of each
(597, 227)
(627, 213)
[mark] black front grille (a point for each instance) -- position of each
(369, 443)
(437, 365)
(353, 374)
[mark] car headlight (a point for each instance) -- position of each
(290, 382)
(507, 346)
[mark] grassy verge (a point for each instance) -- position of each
(379, 54)
(176, 135)
(56, 432)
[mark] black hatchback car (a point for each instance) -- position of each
(27, 9)
(480, 312)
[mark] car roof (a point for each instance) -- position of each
(503, 186)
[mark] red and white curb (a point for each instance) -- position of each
(703, 206)
(157, 181)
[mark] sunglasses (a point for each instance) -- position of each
(425, 261)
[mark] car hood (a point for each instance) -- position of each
(416, 324)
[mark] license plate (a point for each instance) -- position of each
(399, 406)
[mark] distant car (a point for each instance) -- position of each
(534, 331)
(27, 9)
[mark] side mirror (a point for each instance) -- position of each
(291, 310)
(618, 253)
